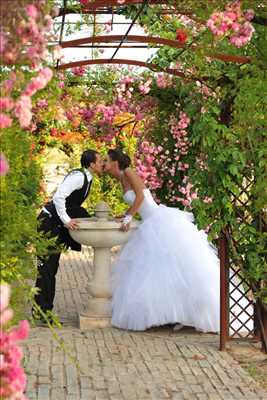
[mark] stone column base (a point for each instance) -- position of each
(97, 314)
(92, 322)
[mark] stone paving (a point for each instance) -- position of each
(119, 365)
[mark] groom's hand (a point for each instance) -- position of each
(73, 224)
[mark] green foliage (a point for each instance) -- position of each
(19, 199)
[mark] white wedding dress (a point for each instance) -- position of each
(168, 272)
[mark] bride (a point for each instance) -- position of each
(167, 272)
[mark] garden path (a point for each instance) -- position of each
(118, 365)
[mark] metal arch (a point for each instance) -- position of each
(151, 66)
(108, 4)
(151, 39)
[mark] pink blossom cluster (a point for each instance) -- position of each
(106, 114)
(204, 90)
(38, 82)
(179, 133)
(6, 104)
(26, 45)
(232, 23)
(125, 88)
(78, 71)
(23, 111)
(188, 192)
(144, 87)
(87, 114)
(208, 200)
(28, 42)
(5, 121)
(13, 379)
(145, 158)
(4, 166)
(164, 80)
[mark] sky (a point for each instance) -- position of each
(75, 54)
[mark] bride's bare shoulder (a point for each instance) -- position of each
(131, 173)
(133, 177)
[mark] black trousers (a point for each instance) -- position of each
(48, 265)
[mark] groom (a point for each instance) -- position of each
(56, 218)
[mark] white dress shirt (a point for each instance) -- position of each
(72, 182)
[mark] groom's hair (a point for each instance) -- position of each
(88, 157)
(124, 161)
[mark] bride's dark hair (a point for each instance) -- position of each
(124, 161)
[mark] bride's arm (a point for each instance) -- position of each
(138, 186)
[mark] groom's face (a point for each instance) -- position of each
(97, 166)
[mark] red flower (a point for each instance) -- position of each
(54, 132)
(181, 36)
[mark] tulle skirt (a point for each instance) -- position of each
(168, 272)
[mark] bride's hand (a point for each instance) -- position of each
(125, 227)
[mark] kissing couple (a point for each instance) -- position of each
(167, 273)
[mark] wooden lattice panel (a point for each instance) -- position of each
(241, 306)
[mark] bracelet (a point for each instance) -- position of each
(127, 219)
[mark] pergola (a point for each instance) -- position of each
(128, 40)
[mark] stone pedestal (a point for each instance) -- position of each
(98, 312)
(102, 233)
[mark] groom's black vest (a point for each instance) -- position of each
(73, 209)
(74, 200)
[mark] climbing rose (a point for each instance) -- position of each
(181, 36)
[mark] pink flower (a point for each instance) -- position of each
(207, 200)
(78, 71)
(249, 14)
(42, 103)
(108, 26)
(145, 87)
(31, 11)
(13, 379)
(21, 332)
(23, 111)
(163, 80)
(6, 103)
(39, 82)
(5, 121)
